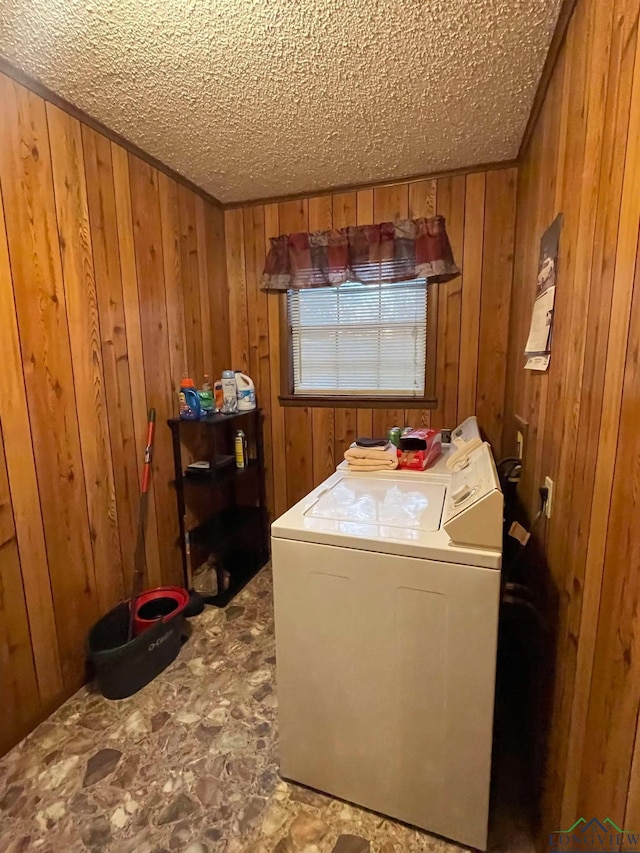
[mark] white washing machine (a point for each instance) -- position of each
(386, 611)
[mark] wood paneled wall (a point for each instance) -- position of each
(584, 414)
(303, 445)
(112, 283)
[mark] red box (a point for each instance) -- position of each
(419, 449)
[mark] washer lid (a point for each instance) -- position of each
(385, 508)
(385, 512)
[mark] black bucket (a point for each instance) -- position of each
(121, 667)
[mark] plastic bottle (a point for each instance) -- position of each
(240, 446)
(190, 409)
(218, 395)
(246, 392)
(206, 396)
(230, 391)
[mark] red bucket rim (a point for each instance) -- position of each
(177, 593)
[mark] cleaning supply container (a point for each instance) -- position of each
(190, 408)
(206, 396)
(230, 392)
(159, 604)
(240, 446)
(122, 668)
(246, 392)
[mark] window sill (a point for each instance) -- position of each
(358, 402)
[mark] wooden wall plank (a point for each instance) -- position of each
(27, 187)
(113, 338)
(320, 211)
(361, 215)
(219, 295)
(451, 205)
(131, 308)
(471, 293)
(173, 279)
(276, 427)
(237, 284)
(346, 432)
(553, 143)
(258, 317)
(190, 267)
(364, 200)
(294, 217)
(323, 419)
(27, 515)
(203, 287)
(422, 202)
(389, 204)
(86, 352)
(343, 210)
(422, 199)
(147, 230)
(21, 702)
(497, 273)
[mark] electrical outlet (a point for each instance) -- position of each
(548, 484)
(519, 444)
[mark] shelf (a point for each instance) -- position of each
(220, 475)
(224, 525)
(214, 420)
(224, 506)
(242, 566)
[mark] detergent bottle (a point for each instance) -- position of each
(206, 396)
(246, 392)
(230, 392)
(190, 409)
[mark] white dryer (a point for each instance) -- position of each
(386, 593)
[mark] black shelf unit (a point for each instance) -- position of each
(221, 511)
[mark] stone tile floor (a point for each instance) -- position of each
(190, 763)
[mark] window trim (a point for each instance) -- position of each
(427, 401)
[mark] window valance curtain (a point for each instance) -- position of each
(384, 253)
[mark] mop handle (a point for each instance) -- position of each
(148, 451)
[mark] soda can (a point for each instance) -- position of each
(407, 430)
(394, 435)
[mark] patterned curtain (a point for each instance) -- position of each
(391, 251)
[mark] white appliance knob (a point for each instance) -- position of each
(461, 494)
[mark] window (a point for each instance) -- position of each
(361, 341)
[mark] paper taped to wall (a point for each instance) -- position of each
(538, 346)
(540, 330)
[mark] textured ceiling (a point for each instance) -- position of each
(256, 98)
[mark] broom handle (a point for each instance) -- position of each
(148, 451)
(139, 556)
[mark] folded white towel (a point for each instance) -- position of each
(372, 458)
(371, 466)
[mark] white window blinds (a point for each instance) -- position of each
(362, 339)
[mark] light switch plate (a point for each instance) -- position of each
(548, 484)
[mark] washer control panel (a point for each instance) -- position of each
(466, 431)
(473, 481)
(473, 509)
